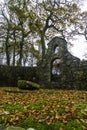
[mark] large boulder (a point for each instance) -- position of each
(14, 128)
(27, 85)
(30, 129)
(2, 127)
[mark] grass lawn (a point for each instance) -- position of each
(44, 109)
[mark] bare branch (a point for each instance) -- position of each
(86, 32)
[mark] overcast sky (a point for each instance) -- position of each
(79, 48)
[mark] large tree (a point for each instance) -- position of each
(28, 24)
(55, 18)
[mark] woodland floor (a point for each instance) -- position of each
(56, 109)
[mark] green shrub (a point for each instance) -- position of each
(30, 123)
(29, 85)
(56, 125)
(11, 108)
(73, 125)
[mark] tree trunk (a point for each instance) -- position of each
(7, 49)
(14, 48)
(14, 55)
(43, 44)
(21, 51)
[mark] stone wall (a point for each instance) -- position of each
(69, 80)
(58, 69)
(62, 62)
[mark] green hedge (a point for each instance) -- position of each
(10, 75)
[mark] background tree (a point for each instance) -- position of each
(5, 35)
(17, 15)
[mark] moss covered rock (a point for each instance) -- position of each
(27, 85)
(14, 128)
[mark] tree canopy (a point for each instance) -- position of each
(26, 26)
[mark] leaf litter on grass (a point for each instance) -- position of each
(44, 105)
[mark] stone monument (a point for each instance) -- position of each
(58, 63)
